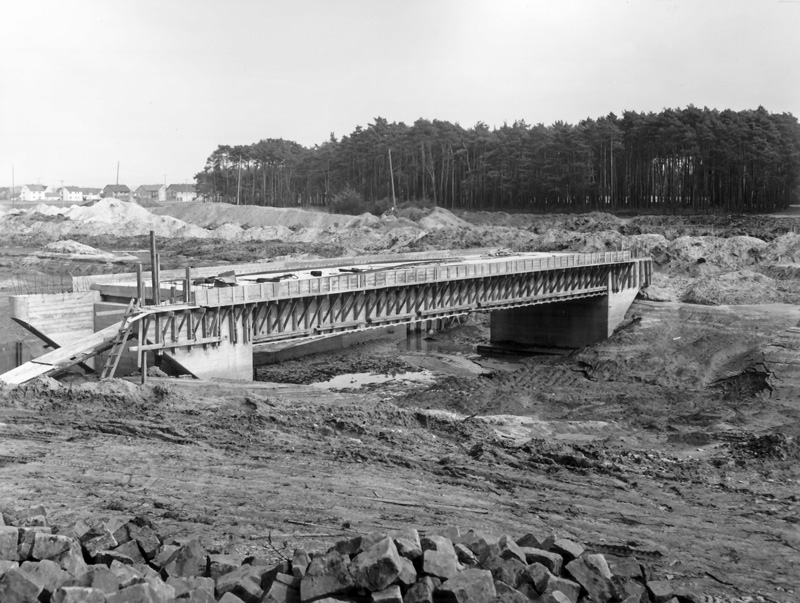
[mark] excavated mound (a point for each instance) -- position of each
(211, 214)
(741, 287)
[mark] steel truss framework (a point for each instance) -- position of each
(320, 313)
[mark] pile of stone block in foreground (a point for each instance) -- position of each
(125, 561)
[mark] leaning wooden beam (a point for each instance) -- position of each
(48, 341)
(66, 356)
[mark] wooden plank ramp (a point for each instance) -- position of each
(66, 356)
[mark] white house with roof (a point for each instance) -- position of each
(71, 194)
(90, 194)
(119, 191)
(151, 192)
(33, 192)
(181, 192)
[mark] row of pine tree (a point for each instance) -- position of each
(677, 161)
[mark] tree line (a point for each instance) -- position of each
(688, 160)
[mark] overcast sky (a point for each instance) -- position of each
(158, 84)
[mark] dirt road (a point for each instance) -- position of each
(580, 446)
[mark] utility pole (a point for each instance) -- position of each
(239, 181)
(13, 188)
(117, 173)
(391, 177)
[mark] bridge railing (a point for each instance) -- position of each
(401, 276)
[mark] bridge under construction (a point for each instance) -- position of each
(209, 322)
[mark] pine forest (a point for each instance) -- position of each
(688, 160)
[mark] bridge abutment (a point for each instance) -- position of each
(572, 323)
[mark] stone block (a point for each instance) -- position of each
(280, 592)
(377, 567)
(109, 557)
(18, 587)
(437, 543)
(143, 592)
(408, 573)
(99, 577)
(441, 564)
(593, 575)
(78, 594)
(465, 556)
(26, 540)
(163, 554)
(326, 575)
(470, 586)
(47, 574)
(537, 576)
(249, 589)
(624, 567)
(511, 571)
(131, 549)
(510, 549)
(537, 540)
(508, 594)
(186, 586)
(49, 546)
(482, 545)
(349, 547)
(391, 594)
(629, 589)
(189, 560)
(230, 598)
(407, 542)
(30, 516)
(552, 561)
(568, 549)
(126, 574)
(421, 592)
(118, 526)
(567, 587)
(9, 539)
(94, 543)
(219, 565)
(146, 538)
(660, 591)
(245, 573)
(554, 597)
(300, 563)
(6, 565)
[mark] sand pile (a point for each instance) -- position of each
(722, 254)
(106, 217)
(210, 215)
(784, 249)
(741, 287)
(441, 218)
(72, 247)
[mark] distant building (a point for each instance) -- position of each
(90, 194)
(118, 191)
(150, 192)
(71, 194)
(33, 192)
(181, 192)
(52, 195)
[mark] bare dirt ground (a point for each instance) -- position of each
(676, 438)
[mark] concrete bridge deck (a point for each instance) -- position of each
(211, 328)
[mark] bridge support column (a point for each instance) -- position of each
(225, 360)
(568, 324)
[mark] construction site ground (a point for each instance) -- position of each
(677, 438)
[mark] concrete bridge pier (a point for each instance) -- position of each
(573, 323)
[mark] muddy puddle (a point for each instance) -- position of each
(356, 380)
